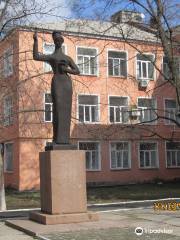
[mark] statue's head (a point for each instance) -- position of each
(58, 38)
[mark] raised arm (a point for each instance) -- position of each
(36, 55)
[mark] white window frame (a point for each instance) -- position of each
(8, 111)
(5, 160)
(166, 121)
(157, 155)
(142, 109)
(154, 70)
(8, 62)
(129, 155)
(109, 96)
(98, 109)
(115, 50)
(46, 66)
(97, 60)
(51, 105)
(99, 155)
(172, 166)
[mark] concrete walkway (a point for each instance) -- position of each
(113, 225)
(8, 233)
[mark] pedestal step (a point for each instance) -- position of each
(49, 219)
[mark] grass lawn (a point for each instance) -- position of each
(15, 200)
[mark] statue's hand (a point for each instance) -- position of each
(35, 36)
(64, 69)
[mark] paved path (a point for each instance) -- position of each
(113, 225)
(7, 233)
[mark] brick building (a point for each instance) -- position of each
(119, 102)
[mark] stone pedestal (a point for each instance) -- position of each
(63, 188)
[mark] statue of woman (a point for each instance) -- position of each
(61, 86)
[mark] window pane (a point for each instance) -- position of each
(81, 113)
(123, 67)
(125, 114)
(86, 65)
(119, 159)
(80, 63)
(48, 112)
(118, 115)
(178, 158)
(110, 66)
(93, 113)
(86, 51)
(173, 145)
(139, 70)
(9, 157)
(147, 159)
(93, 65)
(144, 68)
(170, 103)
(153, 159)
(111, 114)
(116, 65)
(141, 159)
(88, 160)
(168, 158)
(147, 146)
(118, 101)
(113, 159)
(114, 54)
(89, 100)
(87, 113)
(150, 70)
(125, 159)
(48, 98)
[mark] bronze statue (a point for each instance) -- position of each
(61, 86)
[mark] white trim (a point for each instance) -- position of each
(45, 108)
(99, 112)
(170, 122)
(129, 154)
(154, 72)
(128, 99)
(107, 62)
(99, 154)
(97, 57)
(153, 98)
(7, 171)
(8, 70)
(170, 167)
(157, 160)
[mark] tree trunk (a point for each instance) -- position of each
(2, 191)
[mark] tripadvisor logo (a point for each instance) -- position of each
(139, 231)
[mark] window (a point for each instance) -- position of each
(8, 111)
(170, 111)
(120, 155)
(118, 110)
(8, 157)
(8, 62)
(145, 68)
(48, 48)
(166, 71)
(117, 63)
(88, 108)
(173, 154)
(92, 154)
(87, 60)
(48, 108)
(147, 109)
(148, 155)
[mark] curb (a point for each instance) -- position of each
(24, 213)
